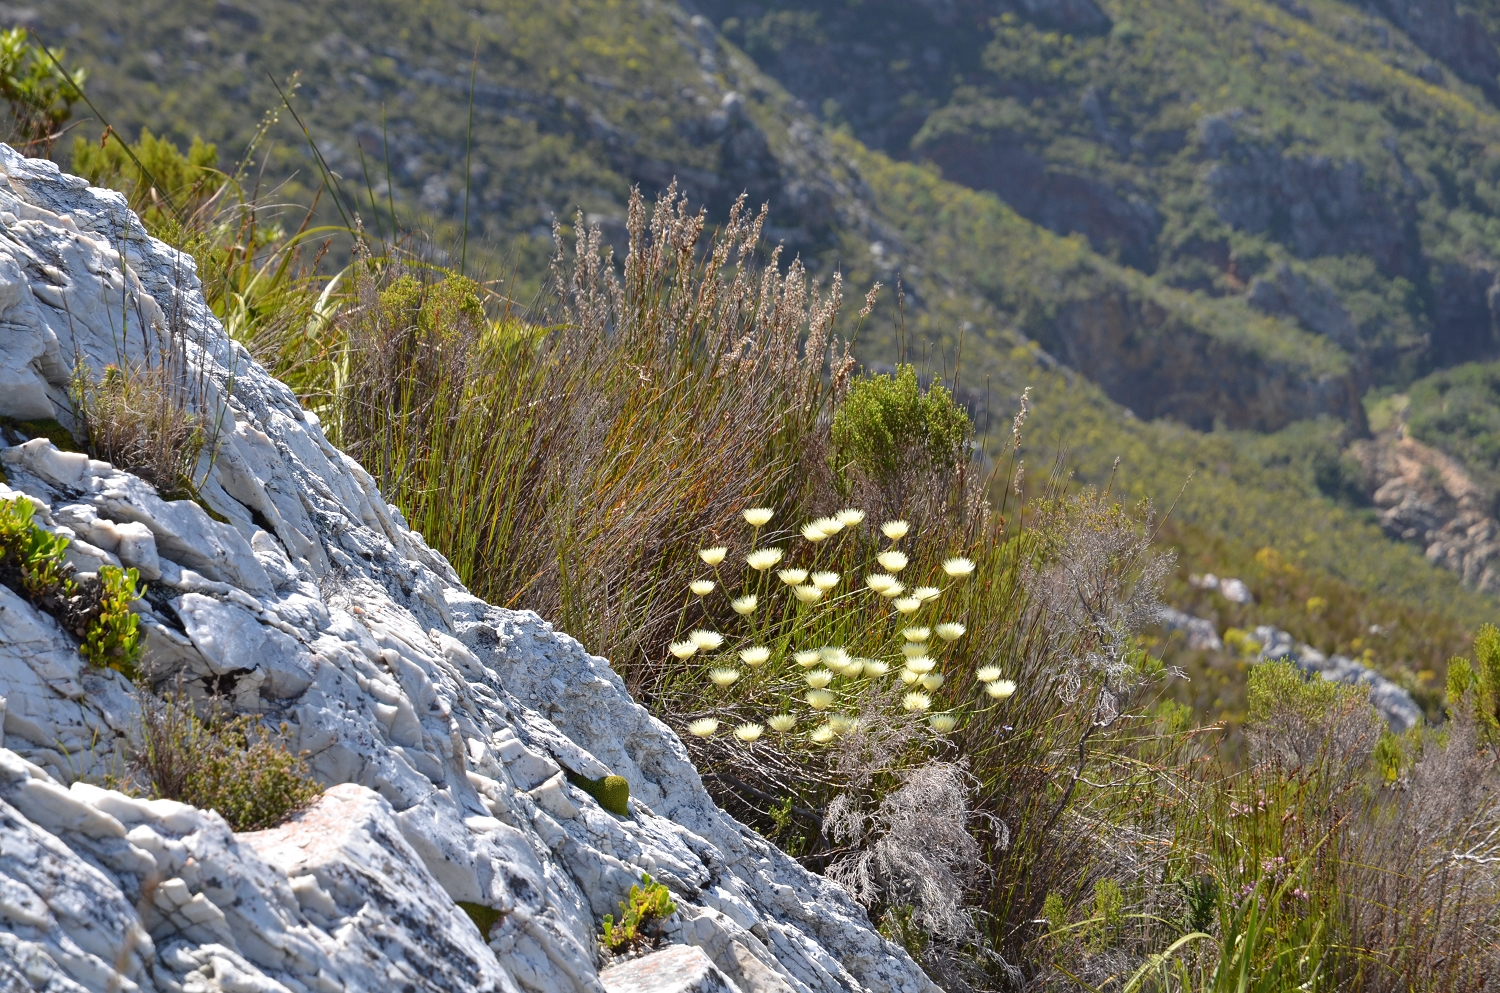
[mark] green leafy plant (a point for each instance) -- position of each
(612, 792)
(41, 98)
(1474, 687)
(1200, 894)
(888, 428)
(645, 907)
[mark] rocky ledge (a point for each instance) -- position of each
(443, 728)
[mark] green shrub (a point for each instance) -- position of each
(647, 905)
(1474, 687)
(163, 185)
(888, 428)
(41, 98)
(612, 792)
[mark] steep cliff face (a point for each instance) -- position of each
(445, 728)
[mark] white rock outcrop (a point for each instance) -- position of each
(443, 727)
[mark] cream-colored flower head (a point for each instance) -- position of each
(807, 659)
(811, 532)
(892, 561)
(893, 591)
(875, 667)
(916, 701)
(713, 556)
(931, 681)
(921, 665)
(822, 734)
(819, 699)
(792, 577)
(723, 677)
(829, 525)
(745, 605)
(988, 674)
(682, 649)
(849, 518)
(842, 723)
(958, 567)
(908, 677)
(758, 517)
(755, 655)
(819, 678)
(925, 593)
(807, 594)
(880, 581)
(943, 723)
(706, 640)
(916, 634)
(703, 727)
(825, 580)
(908, 605)
(1000, 689)
(748, 732)
(895, 530)
(913, 649)
(782, 722)
(950, 631)
(763, 559)
(701, 587)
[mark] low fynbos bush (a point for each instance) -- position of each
(140, 419)
(641, 914)
(230, 764)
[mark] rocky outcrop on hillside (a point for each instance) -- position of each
(1425, 497)
(444, 729)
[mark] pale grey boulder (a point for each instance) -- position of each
(444, 726)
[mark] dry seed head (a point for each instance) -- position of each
(782, 722)
(808, 594)
(943, 723)
(819, 699)
(925, 593)
(921, 665)
(892, 561)
(745, 605)
(916, 701)
(958, 567)
(808, 658)
(723, 677)
(908, 605)
(880, 582)
(950, 631)
(825, 580)
(988, 674)
(706, 640)
(895, 530)
(916, 634)
(1000, 689)
(702, 587)
(849, 518)
(819, 678)
(763, 559)
(813, 533)
(748, 732)
(755, 655)
(931, 681)
(759, 516)
(792, 577)
(703, 727)
(713, 556)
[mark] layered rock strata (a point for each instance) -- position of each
(443, 727)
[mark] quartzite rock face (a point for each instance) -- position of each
(442, 725)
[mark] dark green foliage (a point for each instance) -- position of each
(612, 792)
(163, 185)
(484, 918)
(640, 913)
(889, 428)
(1458, 411)
(1201, 897)
(41, 98)
(1474, 687)
(112, 637)
(50, 429)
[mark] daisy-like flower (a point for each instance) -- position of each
(849, 518)
(855, 667)
(892, 561)
(745, 605)
(683, 649)
(880, 581)
(895, 530)
(723, 677)
(807, 594)
(908, 605)
(913, 649)
(931, 681)
(811, 532)
(822, 734)
(829, 525)
(819, 699)
(1000, 689)
(758, 517)
(782, 722)
(950, 631)
(921, 665)
(755, 655)
(835, 657)
(763, 559)
(908, 677)
(916, 701)
(875, 667)
(748, 732)
(893, 591)
(916, 634)
(807, 659)
(842, 723)
(701, 587)
(925, 593)
(706, 640)
(713, 556)
(792, 577)
(703, 727)
(988, 674)
(958, 567)
(943, 723)
(819, 678)
(825, 580)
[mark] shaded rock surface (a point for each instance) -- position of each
(442, 725)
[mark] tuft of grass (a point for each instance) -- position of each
(143, 419)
